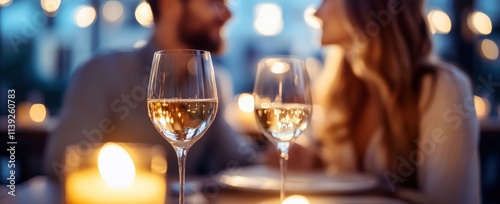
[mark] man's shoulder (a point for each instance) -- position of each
(111, 61)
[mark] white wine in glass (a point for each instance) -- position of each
(181, 121)
(283, 104)
(182, 100)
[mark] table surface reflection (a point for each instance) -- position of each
(42, 190)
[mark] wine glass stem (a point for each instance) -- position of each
(283, 150)
(283, 163)
(181, 158)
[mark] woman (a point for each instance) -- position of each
(394, 111)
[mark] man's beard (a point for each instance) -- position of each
(197, 38)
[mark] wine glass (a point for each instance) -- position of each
(182, 100)
(282, 104)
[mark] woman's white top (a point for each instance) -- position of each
(448, 169)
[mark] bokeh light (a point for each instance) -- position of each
(311, 19)
(50, 7)
(246, 102)
(112, 11)
(38, 113)
(140, 44)
(489, 49)
(483, 107)
(439, 22)
(479, 23)
(5, 2)
(85, 16)
(143, 14)
(268, 19)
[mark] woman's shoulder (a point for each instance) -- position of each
(449, 84)
(451, 75)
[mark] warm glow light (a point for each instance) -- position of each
(310, 19)
(268, 19)
(296, 199)
(140, 43)
(50, 6)
(5, 2)
(439, 22)
(158, 165)
(246, 103)
(489, 49)
(116, 166)
(112, 11)
(479, 23)
(84, 16)
(279, 68)
(158, 162)
(143, 14)
(38, 112)
(482, 106)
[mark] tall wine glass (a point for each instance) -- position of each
(282, 104)
(182, 100)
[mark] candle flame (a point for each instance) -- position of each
(116, 166)
(296, 199)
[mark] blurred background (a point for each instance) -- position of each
(44, 41)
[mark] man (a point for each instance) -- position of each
(106, 101)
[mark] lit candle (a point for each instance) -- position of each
(296, 199)
(114, 180)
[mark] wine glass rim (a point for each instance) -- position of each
(182, 51)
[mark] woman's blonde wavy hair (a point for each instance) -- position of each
(394, 58)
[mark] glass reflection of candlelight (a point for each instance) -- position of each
(280, 68)
(116, 166)
(296, 199)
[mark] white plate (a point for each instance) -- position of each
(263, 178)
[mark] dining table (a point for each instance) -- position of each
(43, 190)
